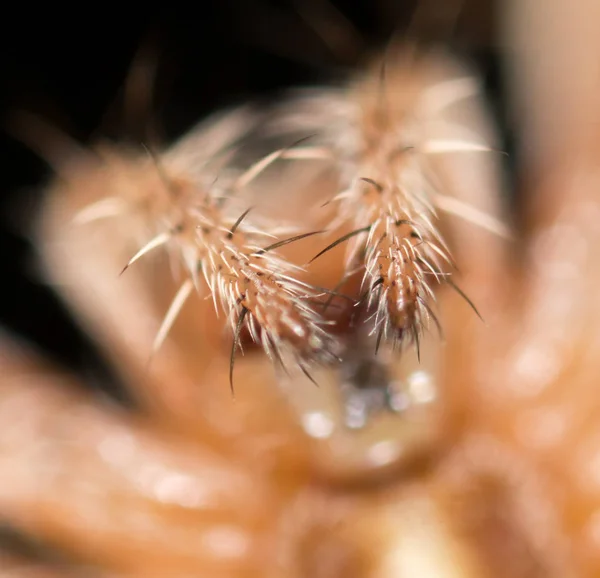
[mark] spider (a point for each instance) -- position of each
(478, 456)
